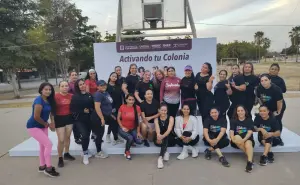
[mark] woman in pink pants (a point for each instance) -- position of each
(37, 126)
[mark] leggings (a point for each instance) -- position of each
(204, 106)
(98, 130)
(168, 141)
(113, 126)
(249, 104)
(84, 128)
(130, 137)
(172, 109)
(41, 135)
(191, 143)
(224, 141)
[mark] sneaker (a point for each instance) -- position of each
(68, 157)
(194, 152)
(249, 167)
(86, 159)
(207, 154)
(51, 173)
(224, 161)
(281, 143)
(42, 168)
(127, 155)
(61, 163)
(184, 154)
(101, 155)
(263, 160)
(146, 143)
(108, 140)
(166, 156)
(160, 163)
(271, 157)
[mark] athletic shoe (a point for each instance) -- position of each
(224, 161)
(68, 157)
(166, 156)
(127, 155)
(249, 167)
(194, 151)
(146, 143)
(160, 163)
(271, 157)
(207, 154)
(42, 168)
(101, 155)
(51, 173)
(263, 160)
(85, 159)
(108, 140)
(281, 143)
(184, 154)
(61, 163)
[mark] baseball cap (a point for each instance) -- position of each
(188, 68)
(101, 83)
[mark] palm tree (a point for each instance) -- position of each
(294, 34)
(266, 45)
(258, 40)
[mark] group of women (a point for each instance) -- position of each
(140, 109)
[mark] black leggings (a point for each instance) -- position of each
(113, 126)
(84, 128)
(98, 130)
(191, 143)
(168, 141)
(76, 132)
(172, 109)
(204, 106)
(224, 141)
(249, 104)
(274, 141)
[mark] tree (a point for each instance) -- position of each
(266, 46)
(294, 35)
(258, 40)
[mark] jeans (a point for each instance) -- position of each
(224, 141)
(130, 137)
(113, 126)
(98, 130)
(84, 128)
(191, 143)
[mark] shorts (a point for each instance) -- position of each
(152, 126)
(62, 121)
(251, 139)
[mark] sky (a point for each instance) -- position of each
(103, 14)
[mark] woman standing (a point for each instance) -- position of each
(129, 122)
(214, 131)
(186, 129)
(238, 86)
(163, 126)
(267, 128)
(82, 105)
(277, 80)
(241, 130)
(271, 96)
(37, 126)
(157, 79)
(205, 98)
(115, 92)
(142, 86)
(222, 91)
(132, 79)
(187, 86)
(149, 110)
(120, 78)
(170, 92)
(90, 81)
(251, 82)
(63, 123)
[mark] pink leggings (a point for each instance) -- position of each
(41, 135)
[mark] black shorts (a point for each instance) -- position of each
(62, 121)
(242, 136)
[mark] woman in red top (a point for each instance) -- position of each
(63, 122)
(90, 81)
(129, 120)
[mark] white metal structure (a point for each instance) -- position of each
(230, 59)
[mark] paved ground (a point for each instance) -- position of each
(142, 170)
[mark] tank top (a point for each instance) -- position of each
(163, 125)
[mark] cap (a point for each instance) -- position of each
(92, 71)
(188, 68)
(101, 83)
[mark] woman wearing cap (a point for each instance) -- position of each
(271, 96)
(157, 79)
(102, 115)
(204, 82)
(187, 87)
(90, 81)
(132, 79)
(170, 92)
(142, 86)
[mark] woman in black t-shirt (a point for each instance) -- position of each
(271, 96)
(251, 82)
(241, 130)
(142, 86)
(214, 131)
(157, 79)
(238, 86)
(132, 79)
(221, 93)
(187, 87)
(205, 98)
(267, 128)
(149, 110)
(273, 72)
(163, 138)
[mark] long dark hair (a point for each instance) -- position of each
(136, 117)
(116, 69)
(88, 76)
(210, 68)
(252, 68)
(110, 76)
(51, 97)
(185, 104)
(235, 115)
(76, 86)
(130, 68)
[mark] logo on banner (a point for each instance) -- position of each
(121, 47)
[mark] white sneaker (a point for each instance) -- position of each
(160, 163)
(86, 159)
(184, 154)
(101, 155)
(89, 154)
(194, 151)
(108, 140)
(166, 156)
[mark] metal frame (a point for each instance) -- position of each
(188, 14)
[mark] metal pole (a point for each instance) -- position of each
(119, 22)
(285, 53)
(191, 19)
